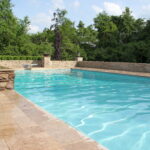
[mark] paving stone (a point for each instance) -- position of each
(83, 146)
(3, 145)
(25, 126)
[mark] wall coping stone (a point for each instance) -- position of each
(6, 70)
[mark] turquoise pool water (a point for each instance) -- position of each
(112, 109)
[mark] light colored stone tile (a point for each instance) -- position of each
(23, 121)
(7, 108)
(12, 96)
(8, 130)
(32, 141)
(3, 145)
(62, 132)
(5, 118)
(84, 146)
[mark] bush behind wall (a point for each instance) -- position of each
(5, 57)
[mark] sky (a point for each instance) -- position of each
(40, 12)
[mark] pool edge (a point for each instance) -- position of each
(140, 74)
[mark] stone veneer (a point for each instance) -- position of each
(124, 66)
(19, 63)
(51, 64)
(46, 63)
(62, 64)
(6, 79)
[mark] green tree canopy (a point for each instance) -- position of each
(110, 38)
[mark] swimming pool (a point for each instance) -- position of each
(112, 109)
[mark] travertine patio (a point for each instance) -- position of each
(24, 126)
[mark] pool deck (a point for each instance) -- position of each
(25, 126)
(142, 74)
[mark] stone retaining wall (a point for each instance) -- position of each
(16, 64)
(124, 66)
(19, 63)
(7, 79)
(62, 64)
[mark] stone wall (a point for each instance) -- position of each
(63, 64)
(46, 63)
(19, 63)
(7, 79)
(124, 66)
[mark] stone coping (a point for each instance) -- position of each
(5, 70)
(116, 71)
(40, 68)
(25, 126)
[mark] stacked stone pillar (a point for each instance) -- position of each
(46, 61)
(7, 79)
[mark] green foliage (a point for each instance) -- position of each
(111, 38)
(70, 47)
(5, 57)
(106, 29)
(104, 24)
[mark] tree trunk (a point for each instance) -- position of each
(57, 44)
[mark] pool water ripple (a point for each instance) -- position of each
(112, 109)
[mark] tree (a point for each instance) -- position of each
(110, 38)
(145, 33)
(128, 25)
(105, 27)
(8, 25)
(70, 45)
(59, 18)
(23, 26)
(87, 39)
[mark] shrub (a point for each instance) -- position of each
(4, 57)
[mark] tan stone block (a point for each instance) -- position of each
(40, 141)
(3, 145)
(62, 132)
(5, 119)
(2, 89)
(3, 84)
(11, 76)
(5, 101)
(10, 85)
(84, 145)
(8, 107)
(8, 130)
(4, 76)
